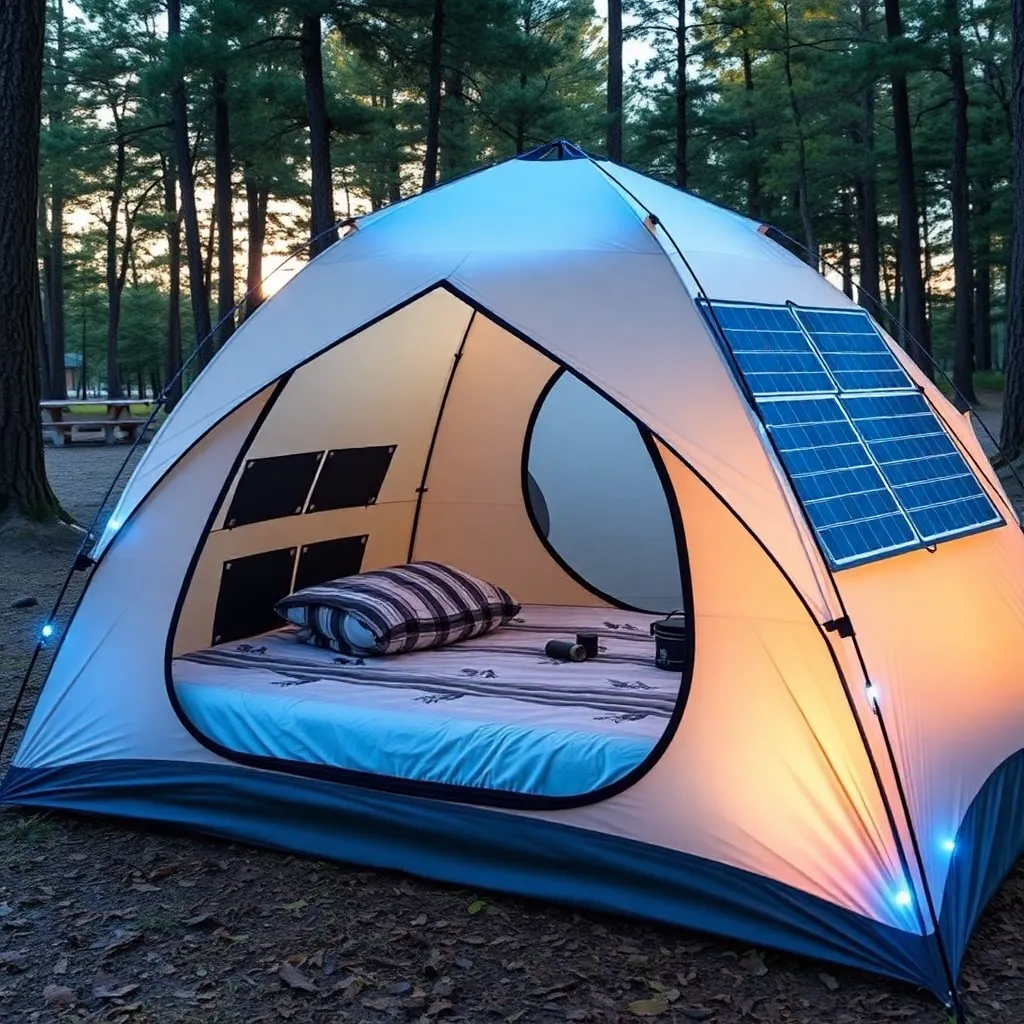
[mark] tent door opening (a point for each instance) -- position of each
(437, 434)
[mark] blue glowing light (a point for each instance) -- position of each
(47, 631)
(113, 525)
(949, 845)
(903, 898)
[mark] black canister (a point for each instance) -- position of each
(564, 650)
(670, 642)
(588, 641)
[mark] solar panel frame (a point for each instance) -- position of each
(885, 378)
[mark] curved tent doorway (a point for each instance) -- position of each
(438, 435)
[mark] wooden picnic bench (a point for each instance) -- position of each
(59, 419)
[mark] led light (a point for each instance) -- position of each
(949, 845)
(47, 631)
(114, 525)
(903, 898)
(872, 694)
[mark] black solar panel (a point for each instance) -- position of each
(872, 464)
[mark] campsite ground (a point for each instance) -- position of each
(103, 922)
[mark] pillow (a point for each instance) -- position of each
(404, 608)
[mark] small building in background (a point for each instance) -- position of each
(72, 372)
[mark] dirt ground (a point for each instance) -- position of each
(108, 922)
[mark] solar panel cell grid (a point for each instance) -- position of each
(844, 494)
(926, 472)
(872, 464)
(853, 351)
(772, 352)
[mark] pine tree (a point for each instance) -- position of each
(23, 486)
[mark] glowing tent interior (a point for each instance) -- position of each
(615, 401)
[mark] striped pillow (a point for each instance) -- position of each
(404, 608)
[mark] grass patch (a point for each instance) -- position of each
(989, 380)
(99, 410)
(31, 829)
(984, 380)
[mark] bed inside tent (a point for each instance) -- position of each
(438, 434)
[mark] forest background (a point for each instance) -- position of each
(188, 147)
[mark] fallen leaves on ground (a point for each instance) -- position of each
(294, 978)
(58, 995)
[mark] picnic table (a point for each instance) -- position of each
(61, 416)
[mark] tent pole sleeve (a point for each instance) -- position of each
(422, 489)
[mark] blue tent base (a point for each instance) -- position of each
(480, 848)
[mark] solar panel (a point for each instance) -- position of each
(772, 351)
(848, 503)
(853, 350)
(873, 466)
(927, 474)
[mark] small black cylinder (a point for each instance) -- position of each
(588, 641)
(565, 650)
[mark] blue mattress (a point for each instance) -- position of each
(491, 712)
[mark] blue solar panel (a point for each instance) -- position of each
(772, 351)
(931, 479)
(853, 350)
(873, 466)
(848, 503)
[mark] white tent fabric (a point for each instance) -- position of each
(833, 770)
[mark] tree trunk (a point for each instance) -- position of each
(457, 152)
(983, 293)
(963, 272)
(845, 255)
(322, 232)
(23, 486)
(801, 148)
(173, 356)
(225, 218)
(55, 277)
(614, 141)
(211, 240)
(754, 203)
(1012, 437)
(186, 183)
(682, 97)
(394, 157)
(434, 78)
(45, 372)
(910, 239)
(256, 206)
(113, 285)
(865, 187)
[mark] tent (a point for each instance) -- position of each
(616, 401)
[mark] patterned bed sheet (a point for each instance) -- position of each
(493, 712)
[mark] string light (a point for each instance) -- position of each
(871, 691)
(113, 525)
(47, 631)
(949, 845)
(903, 898)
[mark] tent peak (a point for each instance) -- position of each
(558, 149)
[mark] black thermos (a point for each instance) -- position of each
(565, 650)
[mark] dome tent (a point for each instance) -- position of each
(604, 395)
